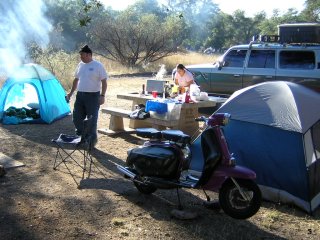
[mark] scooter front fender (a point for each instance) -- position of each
(222, 173)
(235, 172)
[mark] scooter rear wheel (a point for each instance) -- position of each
(145, 188)
(233, 203)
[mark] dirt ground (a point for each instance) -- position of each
(37, 202)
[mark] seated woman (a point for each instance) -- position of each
(183, 78)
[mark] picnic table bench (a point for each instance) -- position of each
(117, 125)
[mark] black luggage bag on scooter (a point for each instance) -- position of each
(155, 161)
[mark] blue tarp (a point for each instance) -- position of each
(159, 105)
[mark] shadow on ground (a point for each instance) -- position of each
(39, 203)
(210, 223)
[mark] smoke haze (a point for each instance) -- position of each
(21, 21)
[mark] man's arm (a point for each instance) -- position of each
(73, 89)
(103, 90)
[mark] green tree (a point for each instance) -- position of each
(135, 40)
(218, 34)
(243, 27)
(71, 20)
(270, 25)
(148, 7)
(196, 14)
(64, 16)
(228, 30)
(312, 11)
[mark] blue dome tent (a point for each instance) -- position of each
(275, 131)
(33, 87)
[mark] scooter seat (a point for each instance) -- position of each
(151, 133)
(176, 136)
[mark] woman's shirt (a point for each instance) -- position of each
(185, 80)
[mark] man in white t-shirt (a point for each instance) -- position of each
(91, 84)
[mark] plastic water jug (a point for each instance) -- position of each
(194, 90)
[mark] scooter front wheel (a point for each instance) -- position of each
(145, 188)
(234, 204)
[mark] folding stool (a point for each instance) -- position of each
(68, 145)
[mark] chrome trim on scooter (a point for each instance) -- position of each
(126, 171)
(243, 194)
(192, 178)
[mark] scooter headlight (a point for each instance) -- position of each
(219, 119)
(226, 119)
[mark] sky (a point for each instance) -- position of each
(229, 6)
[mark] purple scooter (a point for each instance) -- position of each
(169, 160)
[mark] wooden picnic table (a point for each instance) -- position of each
(189, 111)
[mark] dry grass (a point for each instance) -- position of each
(186, 59)
(115, 68)
(63, 65)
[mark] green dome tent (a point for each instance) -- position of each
(32, 89)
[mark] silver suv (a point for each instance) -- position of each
(260, 61)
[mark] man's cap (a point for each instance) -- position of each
(85, 49)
